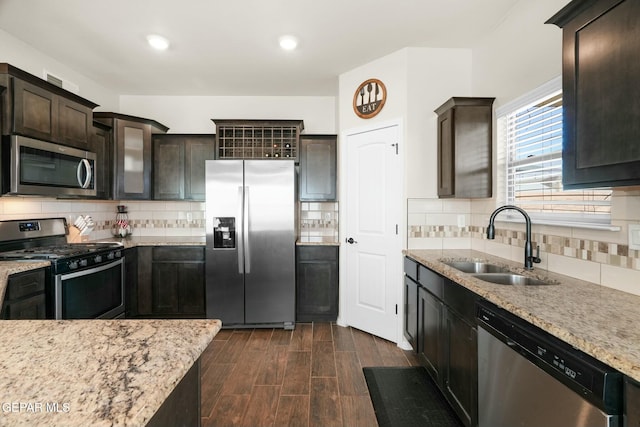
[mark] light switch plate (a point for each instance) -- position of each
(634, 236)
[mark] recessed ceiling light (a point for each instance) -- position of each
(288, 42)
(157, 42)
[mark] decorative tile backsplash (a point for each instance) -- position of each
(318, 222)
(614, 254)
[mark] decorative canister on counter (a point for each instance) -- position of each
(122, 227)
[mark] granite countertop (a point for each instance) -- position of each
(134, 241)
(600, 321)
(97, 372)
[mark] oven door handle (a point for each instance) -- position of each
(87, 168)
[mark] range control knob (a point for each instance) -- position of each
(83, 263)
(73, 265)
(118, 254)
(110, 255)
(98, 259)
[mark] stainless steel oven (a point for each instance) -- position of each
(34, 167)
(86, 280)
(93, 293)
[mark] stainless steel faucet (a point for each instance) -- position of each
(529, 259)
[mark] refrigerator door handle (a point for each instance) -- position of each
(245, 235)
(241, 232)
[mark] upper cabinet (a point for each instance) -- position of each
(38, 109)
(102, 144)
(179, 165)
(464, 147)
(601, 96)
(257, 139)
(132, 154)
(317, 168)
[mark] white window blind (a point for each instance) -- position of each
(533, 156)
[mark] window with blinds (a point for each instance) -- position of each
(533, 157)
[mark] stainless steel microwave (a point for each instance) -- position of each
(45, 169)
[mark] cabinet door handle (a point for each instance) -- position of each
(351, 241)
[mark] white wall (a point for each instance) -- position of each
(25, 57)
(521, 54)
(434, 76)
(193, 114)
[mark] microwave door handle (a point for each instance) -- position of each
(87, 167)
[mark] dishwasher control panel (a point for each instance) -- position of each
(585, 374)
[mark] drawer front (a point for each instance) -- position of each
(431, 281)
(178, 253)
(26, 309)
(317, 253)
(462, 300)
(27, 283)
(411, 268)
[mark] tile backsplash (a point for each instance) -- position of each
(152, 218)
(598, 257)
(318, 222)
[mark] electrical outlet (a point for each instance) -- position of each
(461, 221)
(634, 236)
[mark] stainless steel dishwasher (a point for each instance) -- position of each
(529, 378)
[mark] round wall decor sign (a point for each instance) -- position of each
(369, 98)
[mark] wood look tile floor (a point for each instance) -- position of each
(309, 377)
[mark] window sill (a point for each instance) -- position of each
(557, 223)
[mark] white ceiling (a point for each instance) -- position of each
(231, 47)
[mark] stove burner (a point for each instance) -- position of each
(56, 252)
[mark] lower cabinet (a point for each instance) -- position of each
(460, 373)
(131, 282)
(316, 283)
(445, 336)
(171, 281)
(25, 296)
(411, 312)
(430, 320)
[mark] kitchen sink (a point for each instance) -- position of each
(476, 267)
(511, 279)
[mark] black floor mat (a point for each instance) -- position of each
(406, 396)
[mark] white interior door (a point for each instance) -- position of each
(373, 206)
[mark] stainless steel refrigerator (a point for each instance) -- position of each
(250, 220)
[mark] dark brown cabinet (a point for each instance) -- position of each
(171, 281)
(445, 336)
(317, 168)
(131, 282)
(431, 322)
(316, 283)
(102, 144)
(179, 166)
(25, 296)
(411, 312)
(460, 349)
(601, 96)
(36, 108)
(257, 139)
(631, 402)
(132, 154)
(464, 147)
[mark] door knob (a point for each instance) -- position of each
(351, 241)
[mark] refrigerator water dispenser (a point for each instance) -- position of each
(224, 233)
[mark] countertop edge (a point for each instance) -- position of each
(576, 313)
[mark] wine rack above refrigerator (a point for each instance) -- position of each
(258, 139)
